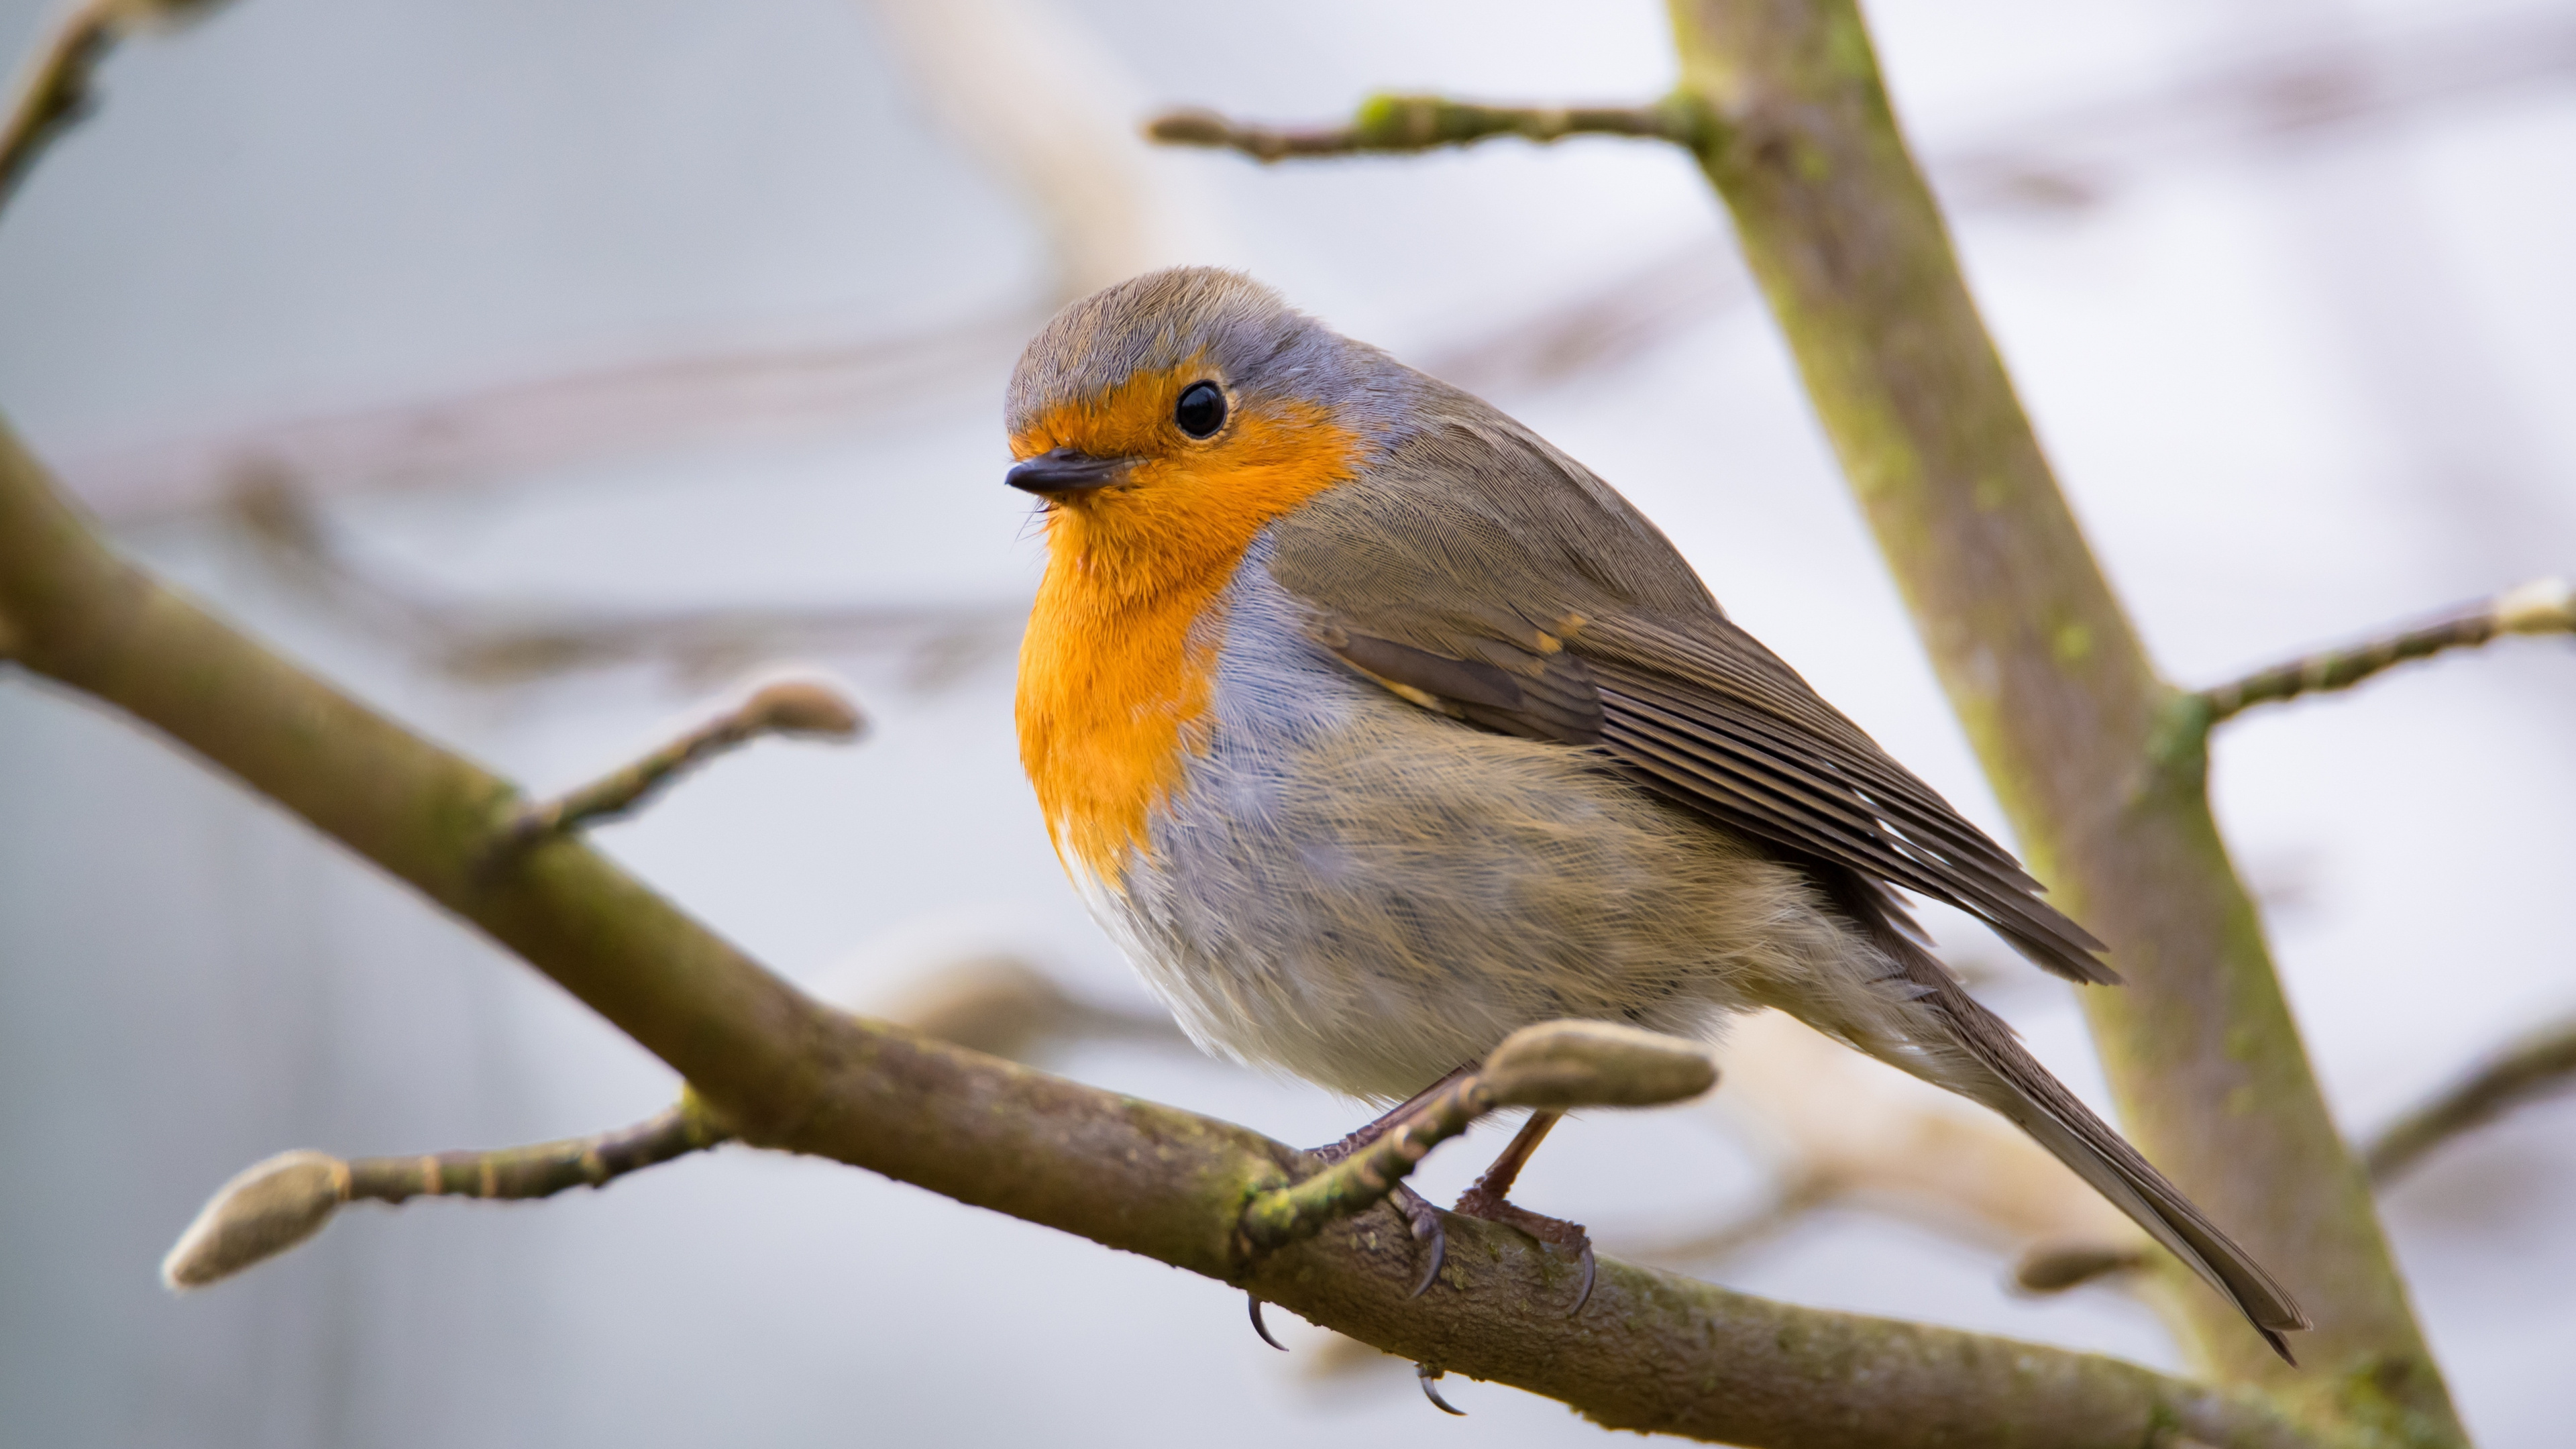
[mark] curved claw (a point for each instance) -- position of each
(1260, 1327)
(1582, 1295)
(1430, 1380)
(1427, 1231)
(1433, 1260)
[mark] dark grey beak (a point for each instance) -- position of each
(1065, 471)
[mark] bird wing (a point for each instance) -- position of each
(1480, 573)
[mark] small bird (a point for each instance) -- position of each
(1375, 728)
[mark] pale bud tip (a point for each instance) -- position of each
(2543, 606)
(266, 1209)
(1188, 128)
(806, 706)
(1562, 1065)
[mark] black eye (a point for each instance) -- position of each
(1201, 410)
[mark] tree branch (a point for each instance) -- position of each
(2540, 1065)
(780, 1070)
(2054, 688)
(1391, 123)
(271, 1206)
(53, 94)
(794, 707)
(2542, 606)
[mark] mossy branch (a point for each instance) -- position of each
(1403, 124)
(2542, 606)
(780, 1070)
(2055, 690)
(1554, 1066)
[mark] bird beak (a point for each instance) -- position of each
(1066, 471)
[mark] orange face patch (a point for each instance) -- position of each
(1116, 668)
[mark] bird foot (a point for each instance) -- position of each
(1420, 1217)
(1553, 1233)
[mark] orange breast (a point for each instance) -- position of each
(1118, 665)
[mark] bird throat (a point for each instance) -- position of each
(1119, 662)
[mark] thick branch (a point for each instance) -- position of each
(2543, 606)
(2052, 684)
(1652, 1352)
(1389, 123)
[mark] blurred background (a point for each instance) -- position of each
(534, 370)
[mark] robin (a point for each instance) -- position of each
(1375, 728)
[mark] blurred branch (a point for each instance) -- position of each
(1390, 123)
(751, 395)
(502, 644)
(2539, 1066)
(2064, 159)
(2542, 606)
(794, 707)
(53, 93)
(782, 1071)
(1036, 97)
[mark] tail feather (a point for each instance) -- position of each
(2004, 1076)
(2037, 1103)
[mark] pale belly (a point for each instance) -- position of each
(1366, 894)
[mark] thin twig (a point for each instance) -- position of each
(53, 93)
(1553, 1066)
(793, 707)
(539, 1169)
(2540, 1065)
(274, 1205)
(1392, 123)
(2542, 606)
(1363, 1179)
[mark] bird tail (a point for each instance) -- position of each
(2017, 1086)
(1993, 1069)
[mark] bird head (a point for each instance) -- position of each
(1169, 418)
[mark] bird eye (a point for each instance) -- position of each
(1201, 410)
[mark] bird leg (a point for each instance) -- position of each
(1420, 1217)
(1490, 1199)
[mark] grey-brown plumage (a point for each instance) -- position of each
(1481, 749)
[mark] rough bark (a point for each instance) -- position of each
(2055, 690)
